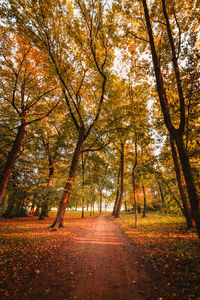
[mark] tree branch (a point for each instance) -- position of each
(97, 149)
(38, 99)
(176, 70)
(44, 116)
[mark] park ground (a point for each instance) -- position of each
(99, 257)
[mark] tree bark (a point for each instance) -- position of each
(174, 197)
(125, 203)
(133, 182)
(44, 209)
(187, 213)
(117, 193)
(12, 156)
(93, 208)
(10, 207)
(100, 204)
(189, 179)
(37, 211)
(83, 186)
(134, 198)
(145, 200)
(122, 182)
(68, 187)
(19, 208)
(161, 193)
(83, 208)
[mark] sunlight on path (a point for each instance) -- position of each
(99, 239)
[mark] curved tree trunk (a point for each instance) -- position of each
(12, 156)
(68, 187)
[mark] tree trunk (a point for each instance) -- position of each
(10, 213)
(20, 208)
(134, 198)
(187, 212)
(144, 208)
(161, 193)
(10, 207)
(122, 182)
(83, 185)
(174, 197)
(191, 187)
(125, 203)
(100, 204)
(133, 182)
(12, 156)
(68, 187)
(117, 194)
(37, 211)
(44, 209)
(83, 209)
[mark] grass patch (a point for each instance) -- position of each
(167, 248)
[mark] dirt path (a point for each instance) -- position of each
(109, 268)
(99, 262)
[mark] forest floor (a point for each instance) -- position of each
(94, 259)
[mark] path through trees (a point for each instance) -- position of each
(98, 262)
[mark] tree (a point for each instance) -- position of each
(117, 191)
(119, 202)
(176, 133)
(78, 48)
(23, 86)
(133, 179)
